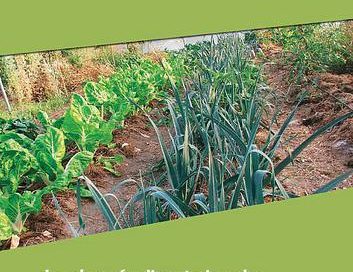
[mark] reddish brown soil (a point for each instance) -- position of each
(332, 153)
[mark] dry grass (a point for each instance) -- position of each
(34, 77)
(38, 77)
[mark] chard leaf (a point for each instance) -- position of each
(74, 169)
(17, 206)
(23, 140)
(49, 152)
(78, 164)
(44, 119)
(5, 227)
(98, 95)
(16, 161)
(84, 125)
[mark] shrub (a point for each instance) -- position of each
(312, 48)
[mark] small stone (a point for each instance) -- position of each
(124, 145)
(340, 144)
(47, 234)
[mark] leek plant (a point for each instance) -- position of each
(213, 160)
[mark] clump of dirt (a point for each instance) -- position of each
(96, 172)
(47, 226)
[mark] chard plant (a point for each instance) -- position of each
(34, 158)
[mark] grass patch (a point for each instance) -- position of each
(31, 109)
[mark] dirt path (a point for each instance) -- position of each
(332, 153)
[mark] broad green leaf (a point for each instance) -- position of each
(16, 161)
(49, 152)
(74, 169)
(23, 140)
(5, 227)
(18, 206)
(98, 95)
(44, 119)
(78, 164)
(84, 125)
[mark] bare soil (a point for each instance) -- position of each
(330, 96)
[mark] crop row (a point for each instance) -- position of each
(214, 160)
(43, 157)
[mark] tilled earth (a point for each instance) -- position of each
(329, 96)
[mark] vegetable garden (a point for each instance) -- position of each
(223, 132)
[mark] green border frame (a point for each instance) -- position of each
(312, 233)
(38, 25)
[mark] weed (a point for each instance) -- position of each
(309, 48)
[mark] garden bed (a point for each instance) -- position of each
(180, 134)
(332, 153)
(141, 153)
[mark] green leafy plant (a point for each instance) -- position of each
(84, 125)
(34, 158)
(110, 163)
(20, 126)
(136, 77)
(5, 227)
(26, 162)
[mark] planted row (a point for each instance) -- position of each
(214, 160)
(40, 159)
